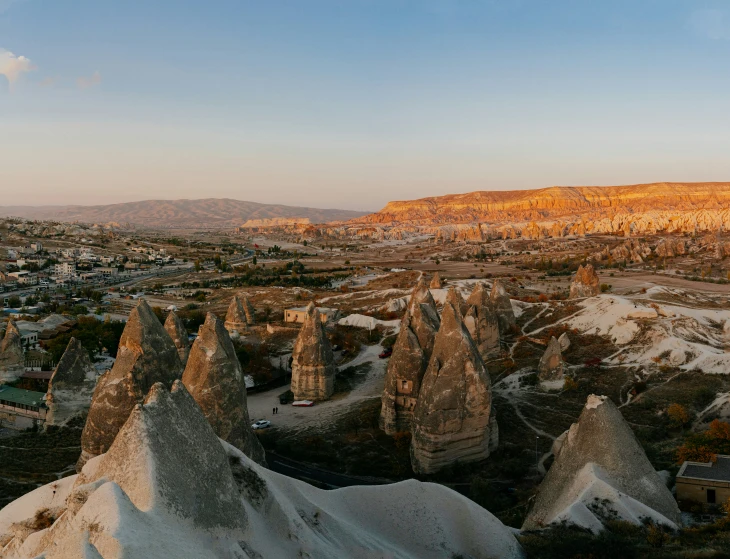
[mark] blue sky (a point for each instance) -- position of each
(351, 103)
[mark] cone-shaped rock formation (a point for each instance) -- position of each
(176, 329)
(71, 386)
(585, 283)
(482, 322)
(249, 311)
(214, 378)
(406, 367)
(502, 306)
(236, 322)
(313, 365)
(451, 419)
(551, 365)
(146, 355)
(436, 282)
(601, 472)
(12, 360)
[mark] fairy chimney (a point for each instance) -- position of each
(313, 365)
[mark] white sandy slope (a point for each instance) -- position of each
(369, 322)
(140, 499)
(685, 337)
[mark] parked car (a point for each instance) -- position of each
(303, 403)
(386, 353)
(261, 424)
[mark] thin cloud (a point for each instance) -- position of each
(12, 66)
(711, 23)
(87, 82)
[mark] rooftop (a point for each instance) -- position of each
(715, 471)
(20, 396)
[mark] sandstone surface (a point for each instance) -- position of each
(585, 283)
(176, 329)
(482, 321)
(12, 359)
(71, 386)
(313, 365)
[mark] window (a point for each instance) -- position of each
(711, 498)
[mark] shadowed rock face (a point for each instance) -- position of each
(585, 283)
(502, 306)
(146, 355)
(407, 365)
(452, 416)
(436, 282)
(71, 386)
(12, 360)
(551, 365)
(214, 378)
(313, 365)
(600, 458)
(236, 322)
(249, 311)
(176, 329)
(482, 321)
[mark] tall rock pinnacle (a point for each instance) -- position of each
(551, 365)
(214, 378)
(407, 365)
(236, 322)
(451, 419)
(502, 306)
(71, 386)
(146, 355)
(313, 365)
(12, 359)
(585, 283)
(482, 321)
(176, 329)
(436, 282)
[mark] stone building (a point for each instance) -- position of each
(214, 378)
(406, 367)
(704, 483)
(313, 365)
(451, 421)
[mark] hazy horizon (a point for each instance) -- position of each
(351, 105)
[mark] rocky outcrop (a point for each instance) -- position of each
(551, 365)
(482, 321)
(176, 329)
(564, 341)
(249, 311)
(601, 472)
(633, 251)
(669, 248)
(71, 386)
(406, 367)
(168, 487)
(236, 322)
(12, 359)
(452, 416)
(585, 283)
(313, 365)
(214, 378)
(146, 355)
(502, 306)
(436, 282)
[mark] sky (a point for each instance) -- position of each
(352, 103)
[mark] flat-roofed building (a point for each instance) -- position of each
(298, 314)
(21, 409)
(706, 483)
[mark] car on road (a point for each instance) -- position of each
(303, 403)
(386, 353)
(261, 424)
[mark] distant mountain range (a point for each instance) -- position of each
(208, 213)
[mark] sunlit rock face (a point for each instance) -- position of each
(214, 378)
(406, 367)
(12, 359)
(313, 365)
(146, 355)
(601, 472)
(452, 416)
(175, 327)
(482, 321)
(71, 386)
(236, 322)
(551, 365)
(502, 306)
(585, 283)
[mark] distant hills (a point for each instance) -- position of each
(208, 213)
(561, 203)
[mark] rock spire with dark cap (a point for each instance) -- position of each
(482, 322)
(313, 365)
(452, 416)
(551, 365)
(406, 367)
(601, 461)
(214, 378)
(175, 327)
(146, 355)
(585, 283)
(236, 322)
(502, 306)
(71, 386)
(12, 359)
